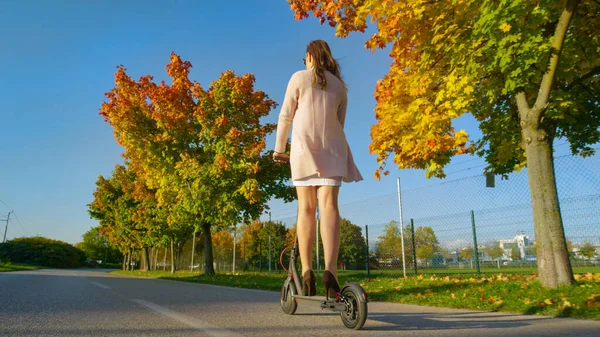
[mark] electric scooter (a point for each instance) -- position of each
(351, 301)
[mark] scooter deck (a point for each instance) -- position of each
(314, 298)
(329, 304)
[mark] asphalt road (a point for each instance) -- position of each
(94, 303)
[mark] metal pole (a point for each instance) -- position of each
(193, 248)
(234, 235)
(475, 243)
(6, 227)
(414, 249)
(368, 264)
(401, 227)
(270, 242)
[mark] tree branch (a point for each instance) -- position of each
(523, 105)
(557, 44)
(595, 71)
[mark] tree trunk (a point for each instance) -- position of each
(172, 258)
(554, 267)
(150, 258)
(165, 260)
(155, 263)
(208, 253)
(145, 260)
(124, 261)
(193, 250)
(178, 256)
(128, 259)
(132, 261)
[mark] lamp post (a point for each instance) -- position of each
(269, 241)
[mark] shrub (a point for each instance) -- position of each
(42, 252)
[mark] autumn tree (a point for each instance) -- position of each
(353, 247)
(467, 253)
(515, 253)
(389, 245)
(202, 150)
(97, 247)
(105, 209)
(223, 247)
(426, 243)
(588, 251)
(272, 234)
(127, 212)
(251, 244)
(528, 71)
(494, 250)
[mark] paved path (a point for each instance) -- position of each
(94, 303)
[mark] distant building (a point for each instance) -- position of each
(522, 243)
(577, 251)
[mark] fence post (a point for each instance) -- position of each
(368, 264)
(193, 248)
(401, 227)
(270, 242)
(414, 248)
(476, 249)
(234, 237)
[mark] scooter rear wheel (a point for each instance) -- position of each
(356, 312)
(288, 303)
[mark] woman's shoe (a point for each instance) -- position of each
(332, 288)
(308, 284)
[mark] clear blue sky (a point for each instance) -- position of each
(59, 57)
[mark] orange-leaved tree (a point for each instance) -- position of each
(203, 150)
(127, 212)
(527, 70)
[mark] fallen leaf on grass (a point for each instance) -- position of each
(593, 301)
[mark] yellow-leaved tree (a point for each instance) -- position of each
(527, 70)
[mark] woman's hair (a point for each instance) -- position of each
(322, 60)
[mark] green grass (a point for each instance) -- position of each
(9, 266)
(500, 292)
(513, 293)
(472, 272)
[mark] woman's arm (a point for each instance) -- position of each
(286, 115)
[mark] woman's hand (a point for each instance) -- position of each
(281, 157)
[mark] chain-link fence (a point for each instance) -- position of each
(461, 226)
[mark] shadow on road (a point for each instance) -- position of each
(448, 321)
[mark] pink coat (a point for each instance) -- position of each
(319, 144)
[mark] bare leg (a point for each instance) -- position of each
(306, 224)
(330, 225)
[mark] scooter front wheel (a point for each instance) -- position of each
(288, 303)
(355, 315)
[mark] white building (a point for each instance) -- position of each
(521, 242)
